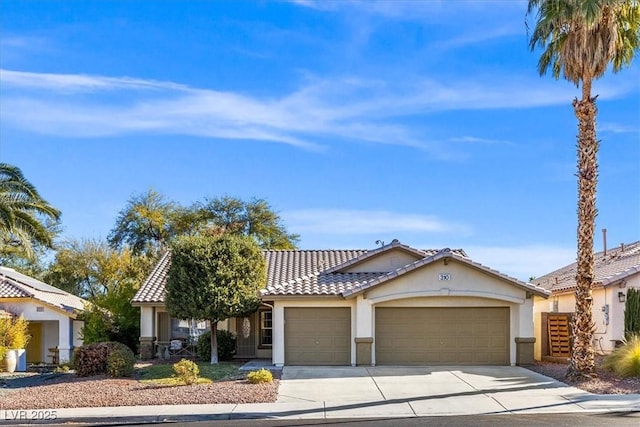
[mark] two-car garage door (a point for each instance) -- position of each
(438, 336)
(403, 336)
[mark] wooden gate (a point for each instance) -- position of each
(558, 328)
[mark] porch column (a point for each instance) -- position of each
(65, 335)
(364, 331)
(146, 332)
(278, 334)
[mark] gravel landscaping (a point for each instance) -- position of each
(605, 383)
(69, 391)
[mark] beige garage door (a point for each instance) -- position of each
(442, 336)
(317, 336)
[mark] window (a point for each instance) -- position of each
(266, 328)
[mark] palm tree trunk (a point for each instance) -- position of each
(582, 362)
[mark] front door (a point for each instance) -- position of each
(34, 348)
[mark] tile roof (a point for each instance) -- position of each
(282, 266)
(320, 272)
(618, 264)
(152, 289)
(17, 285)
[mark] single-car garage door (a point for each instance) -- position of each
(442, 336)
(317, 336)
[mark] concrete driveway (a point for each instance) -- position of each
(446, 390)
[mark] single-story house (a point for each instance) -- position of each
(616, 270)
(394, 305)
(51, 313)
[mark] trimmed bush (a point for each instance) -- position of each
(94, 359)
(187, 371)
(625, 360)
(120, 361)
(226, 345)
(260, 376)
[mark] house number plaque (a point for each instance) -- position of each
(444, 276)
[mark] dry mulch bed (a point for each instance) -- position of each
(605, 382)
(69, 391)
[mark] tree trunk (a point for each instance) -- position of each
(214, 342)
(582, 362)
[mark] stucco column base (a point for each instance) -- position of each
(524, 351)
(146, 348)
(64, 355)
(363, 351)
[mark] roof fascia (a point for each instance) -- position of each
(299, 296)
(72, 314)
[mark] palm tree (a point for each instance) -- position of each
(581, 39)
(23, 213)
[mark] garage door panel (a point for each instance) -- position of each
(317, 336)
(452, 335)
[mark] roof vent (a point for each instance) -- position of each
(395, 241)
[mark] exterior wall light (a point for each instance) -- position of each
(622, 297)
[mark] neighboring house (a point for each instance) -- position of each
(616, 270)
(51, 313)
(394, 305)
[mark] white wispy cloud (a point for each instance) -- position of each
(617, 128)
(412, 9)
(476, 140)
(80, 82)
(353, 222)
(339, 109)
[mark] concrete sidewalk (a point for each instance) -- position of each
(359, 392)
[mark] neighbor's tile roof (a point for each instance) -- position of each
(17, 285)
(618, 264)
(293, 272)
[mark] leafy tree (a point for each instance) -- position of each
(108, 279)
(254, 218)
(147, 223)
(27, 221)
(580, 40)
(214, 277)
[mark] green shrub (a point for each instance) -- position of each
(226, 345)
(94, 359)
(120, 361)
(625, 360)
(632, 313)
(187, 371)
(260, 376)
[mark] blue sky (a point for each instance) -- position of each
(357, 121)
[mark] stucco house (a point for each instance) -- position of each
(616, 270)
(394, 305)
(51, 313)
